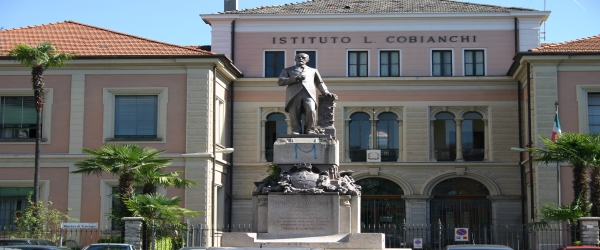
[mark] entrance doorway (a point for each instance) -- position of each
(461, 203)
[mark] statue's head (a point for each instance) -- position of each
(301, 59)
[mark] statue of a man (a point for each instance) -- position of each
(301, 97)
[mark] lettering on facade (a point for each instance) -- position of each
(389, 39)
(304, 219)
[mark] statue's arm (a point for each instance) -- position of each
(320, 84)
(286, 79)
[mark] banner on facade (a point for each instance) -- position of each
(461, 234)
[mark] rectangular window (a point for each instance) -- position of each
(12, 199)
(594, 112)
(220, 122)
(312, 58)
(441, 63)
(136, 116)
(358, 63)
(17, 117)
(389, 63)
(474, 63)
(274, 63)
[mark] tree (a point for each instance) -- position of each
(594, 144)
(123, 161)
(38, 58)
(152, 177)
(579, 150)
(38, 220)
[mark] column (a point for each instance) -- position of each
(133, 231)
(262, 139)
(589, 230)
(432, 156)
(374, 134)
(486, 140)
(347, 140)
(400, 143)
(459, 149)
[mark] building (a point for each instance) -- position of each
(428, 77)
(564, 74)
(180, 95)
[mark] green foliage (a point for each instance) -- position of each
(577, 243)
(274, 171)
(42, 55)
(158, 208)
(37, 221)
(563, 213)
(169, 243)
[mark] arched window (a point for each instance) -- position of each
(274, 126)
(444, 129)
(473, 138)
(387, 136)
(381, 203)
(360, 135)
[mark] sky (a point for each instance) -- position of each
(179, 22)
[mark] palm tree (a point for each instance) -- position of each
(160, 210)
(38, 58)
(594, 143)
(123, 161)
(579, 151)
(152, 177)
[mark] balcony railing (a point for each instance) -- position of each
(470, 154)
(360, 155)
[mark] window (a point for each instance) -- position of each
(387, 136)
(135, 114)
(473, 137)
(220, 122)
(360, 136)
(12, 199)
(274, 126)
(312, 58)
(274, 63)
(444, 129)
(441, 63)
(594, 112)
(17, 117)
(474, 63)
(389, 63)
(358, 63)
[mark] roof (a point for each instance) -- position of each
(375, 6)
(88, 40)
(588, 44)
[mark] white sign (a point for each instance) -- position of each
(461, 234)
(79, 225)
(374, 155)
(418, 243)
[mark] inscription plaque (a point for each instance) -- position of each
(308, 215)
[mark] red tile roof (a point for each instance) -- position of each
(87, 40)
(588, 44)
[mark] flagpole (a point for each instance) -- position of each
(558, 164)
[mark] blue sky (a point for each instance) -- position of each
(179, 22)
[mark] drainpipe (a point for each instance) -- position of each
(521, 167)
(529, 139)
(232, 41)
(516, 35)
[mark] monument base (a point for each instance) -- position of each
(337, 241)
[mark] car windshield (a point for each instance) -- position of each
(108, 247)
(13, 243)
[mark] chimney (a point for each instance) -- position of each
(231, 5)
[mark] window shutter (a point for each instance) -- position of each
(136, 115)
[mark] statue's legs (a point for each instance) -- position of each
(303, 103)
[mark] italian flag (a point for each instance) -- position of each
(556, 129)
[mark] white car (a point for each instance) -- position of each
(477, 247)
(109, 246)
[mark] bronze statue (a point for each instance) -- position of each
(301, 97)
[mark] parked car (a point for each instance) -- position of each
(109, 246)
(32, 247)
(579, 248)
(477, 247)
(25, 241)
